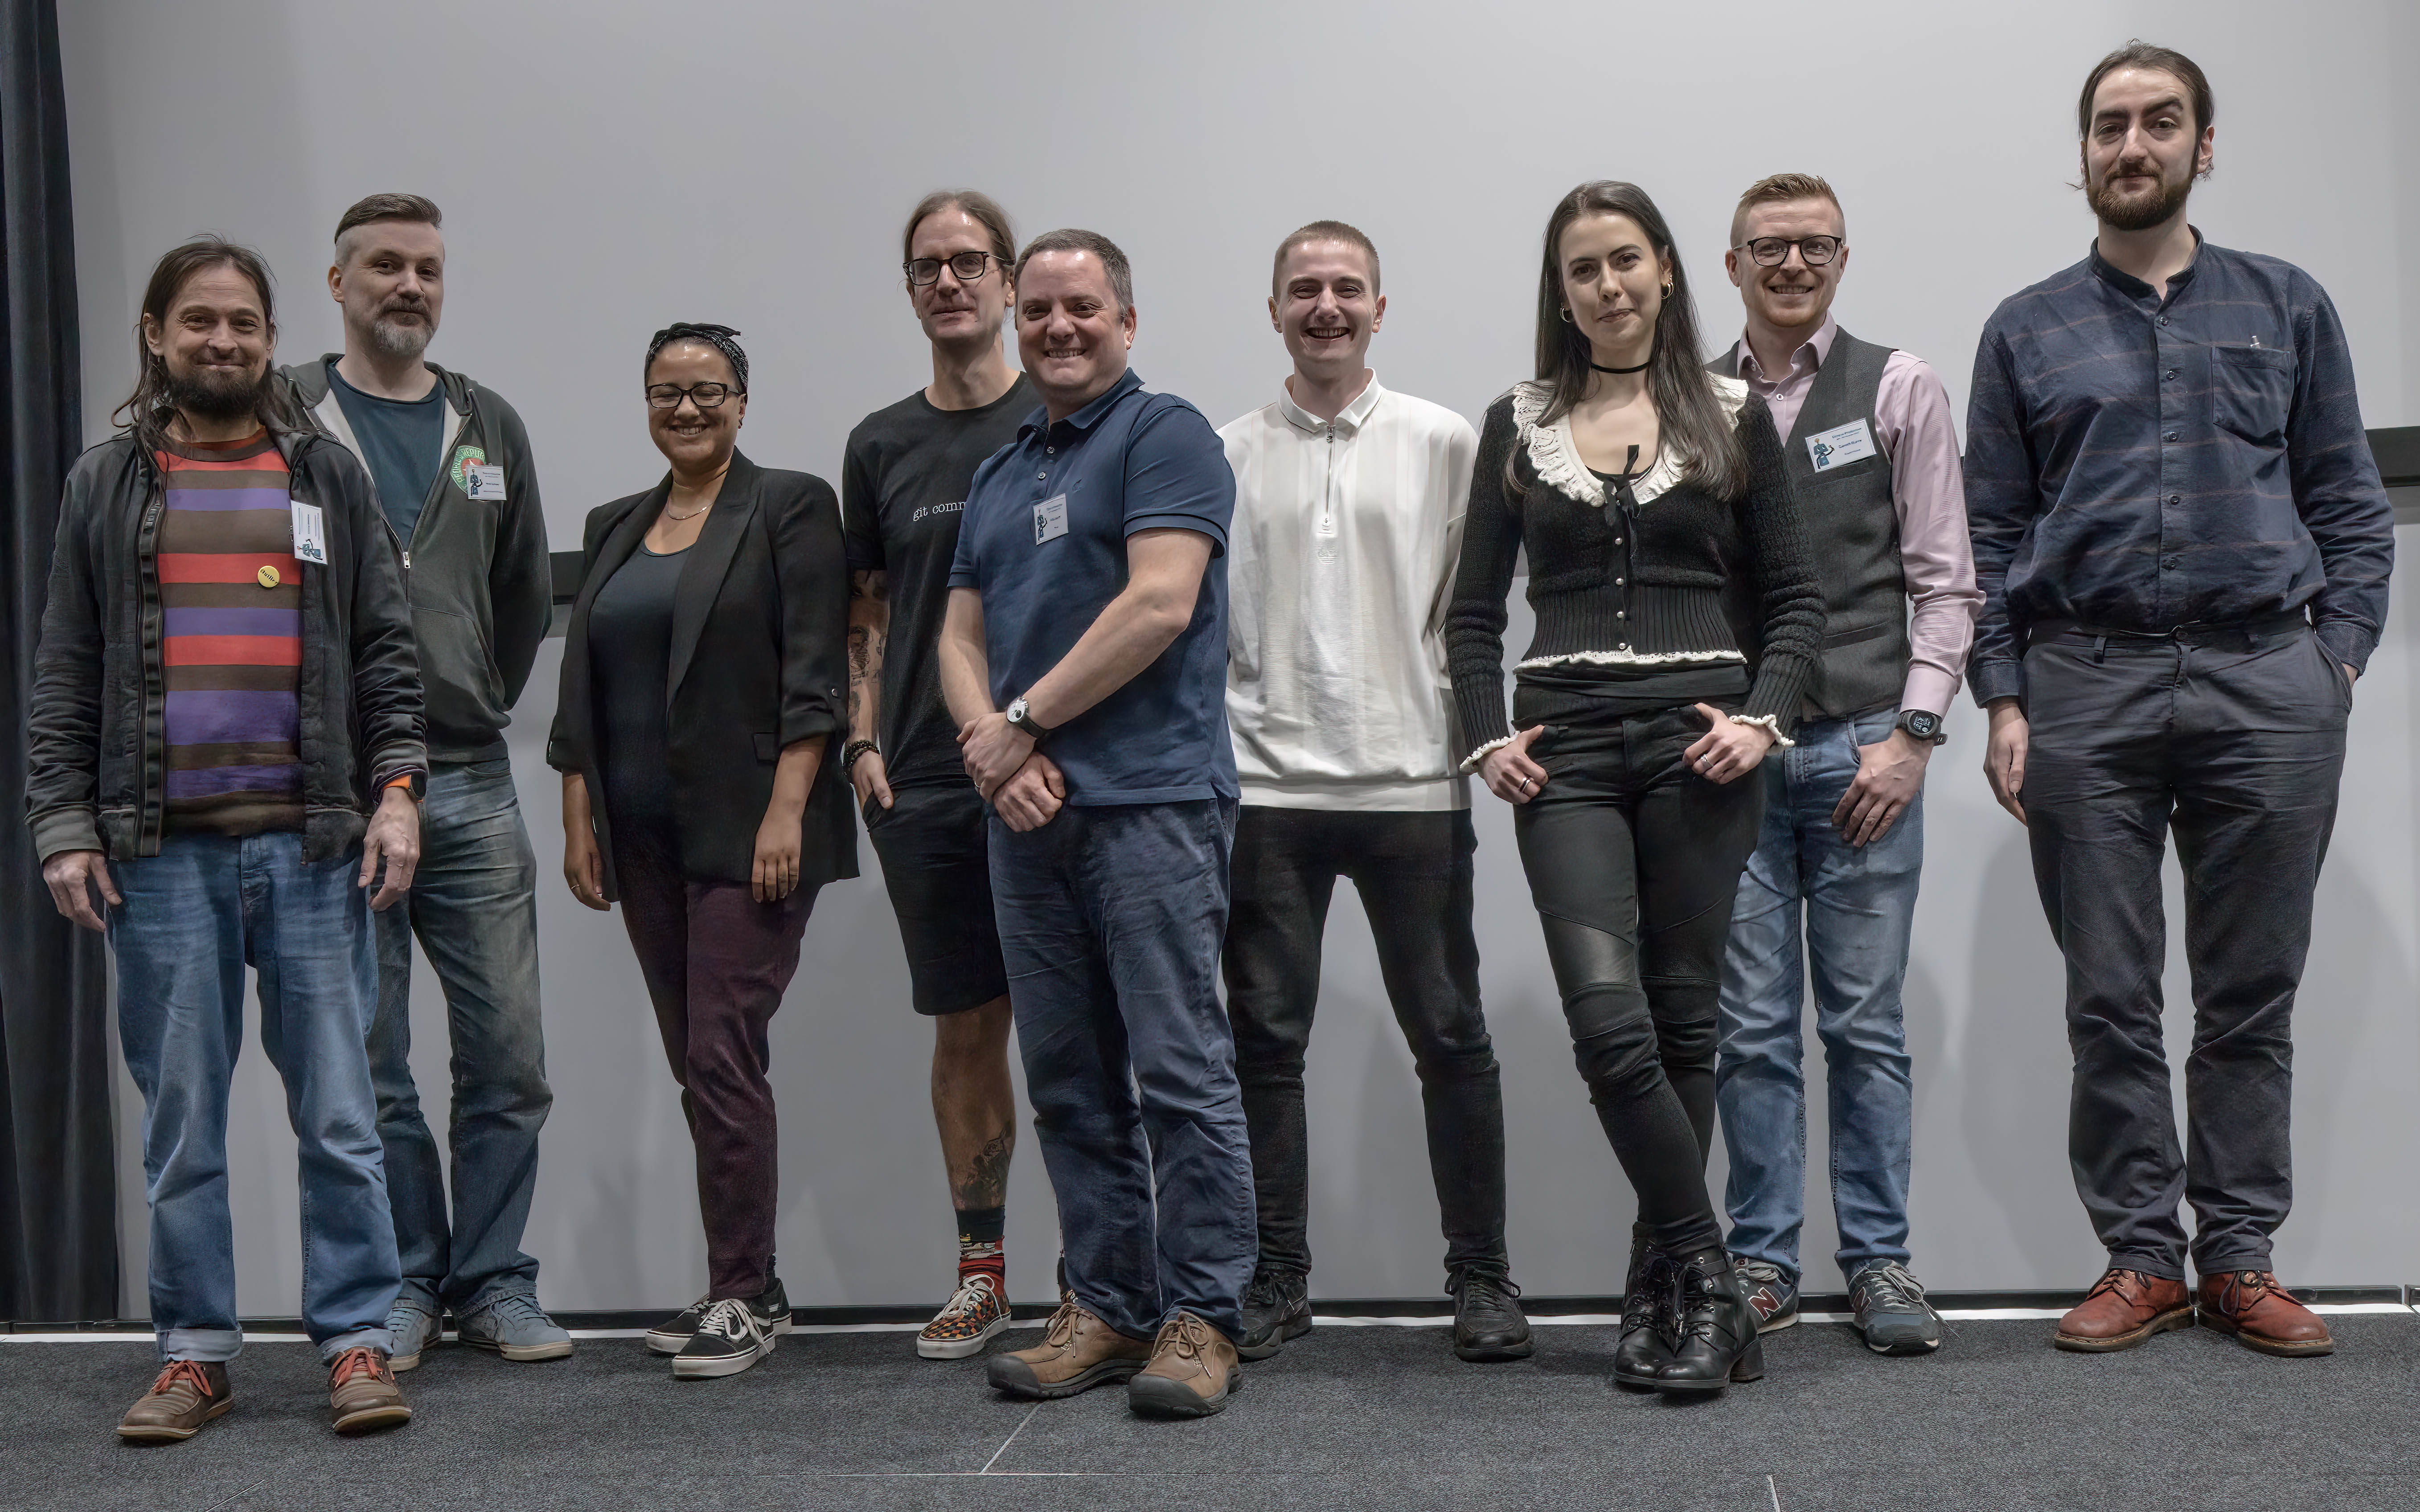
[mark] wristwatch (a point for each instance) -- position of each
(1022, 720)
(1923, 724)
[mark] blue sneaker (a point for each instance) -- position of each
(1771, 1293)
(516, 1327)
(1892, 1315)
(414, 1330)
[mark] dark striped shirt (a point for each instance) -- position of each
(232, 645)
(2143, 463)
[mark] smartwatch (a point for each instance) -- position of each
(1022, 720)
(1923, 724)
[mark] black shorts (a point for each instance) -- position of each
(937, 865)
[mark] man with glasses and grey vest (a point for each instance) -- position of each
(451, 467)
(1873, 458)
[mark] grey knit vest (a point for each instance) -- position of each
(1852, 529)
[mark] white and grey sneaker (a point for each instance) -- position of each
(731, 1337)
(414, 1330)
(1892, 1314)
(670, 1336)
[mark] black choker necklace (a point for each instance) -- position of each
(1640, 368)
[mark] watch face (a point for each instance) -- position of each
(1922, 725)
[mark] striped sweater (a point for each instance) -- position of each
(231, 592)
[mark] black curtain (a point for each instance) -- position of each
(58, 1194)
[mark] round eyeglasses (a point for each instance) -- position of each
(1772, 252)
(705, 396)
(966, 265)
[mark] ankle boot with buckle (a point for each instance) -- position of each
(1647, 1330)
(1078, 1352)
(2123, 1308)
(2255, 1308)
(1191, 1373)
(1715, 1342)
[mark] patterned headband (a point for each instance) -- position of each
(718, 337)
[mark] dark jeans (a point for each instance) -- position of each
(2235, 739)
(1111, 919)
(1414, 874)
(1633, 860)
(716, 963)
(473, 905)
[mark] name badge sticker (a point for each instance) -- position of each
(1050, 520)
(310, 532)
(485, 482)
(1840, 446)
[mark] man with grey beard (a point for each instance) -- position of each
(452, 470)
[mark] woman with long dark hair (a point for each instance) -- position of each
(1678, 619)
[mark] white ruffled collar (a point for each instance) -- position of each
(1555, 457)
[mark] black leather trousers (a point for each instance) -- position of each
(1632, 861)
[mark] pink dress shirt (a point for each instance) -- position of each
(1912, 423)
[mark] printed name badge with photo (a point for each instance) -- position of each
(1840, 445)
(310, 532)
(1050, 520)
(485, 482)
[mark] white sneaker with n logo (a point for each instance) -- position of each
(731, 1335)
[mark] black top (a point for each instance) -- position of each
(757, 661)
(630, 646)
(400, 441)
(902, 495)
(1687, 574)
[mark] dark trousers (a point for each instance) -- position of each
(1633, 861)
(716, 963)
(1414, 874)
(2234, 739)
(1109, 920)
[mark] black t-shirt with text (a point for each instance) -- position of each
(903, 493)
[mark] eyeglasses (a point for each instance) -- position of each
(1772, 252)
(705, 396)
(967, 266)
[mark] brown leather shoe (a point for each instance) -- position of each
(1078, 1352)
(1193, 1369)
(188, 1394)
(361, 1392)
(2122, 1309)
(2262, 1315)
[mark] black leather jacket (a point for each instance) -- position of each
(95, 778)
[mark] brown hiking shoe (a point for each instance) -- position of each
(2122, 1309)
(1078, 1352)
(1191, 1371)
(363, 1393)
(188, 1394)
(2261, 1314)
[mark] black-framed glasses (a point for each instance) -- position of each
(1772, 252)
(966, 265)
(705, 396)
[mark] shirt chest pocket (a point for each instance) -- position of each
(2251, 391)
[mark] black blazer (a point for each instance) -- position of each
(759, 661)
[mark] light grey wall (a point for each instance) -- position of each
(608, 167)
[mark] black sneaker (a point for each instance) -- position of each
(672, 1335)
(1276, 1307)
(1488, 1323)
(732, 1334)
(1772, 1294)
(1892, 1313)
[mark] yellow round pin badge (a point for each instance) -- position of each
(268, 577)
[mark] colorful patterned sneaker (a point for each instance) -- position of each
(185, 1394)
(1892, 1313)
(973, 1314)
(362, 1393)
(414, 1329)
(516, 1327)
(1773, 1295)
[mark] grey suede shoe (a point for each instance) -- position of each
(516, 1327)
(414, 1329)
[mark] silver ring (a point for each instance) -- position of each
(1525, 784)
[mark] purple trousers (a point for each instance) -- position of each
(716, 963)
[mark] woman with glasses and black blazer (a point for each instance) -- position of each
(703, 672)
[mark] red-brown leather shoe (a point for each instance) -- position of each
(2261, 1314)
(2122, 1309)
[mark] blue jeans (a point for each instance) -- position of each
(1857, 907)
(193, 916)
(474, 904)
(1110, 920)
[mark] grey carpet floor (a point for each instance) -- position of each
(1374, 1418)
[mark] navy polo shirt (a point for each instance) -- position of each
(1045, 542)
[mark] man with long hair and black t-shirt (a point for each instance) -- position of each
(903, 489)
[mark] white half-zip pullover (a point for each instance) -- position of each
(1339, 562)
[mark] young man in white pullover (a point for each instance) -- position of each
(1347, 527)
